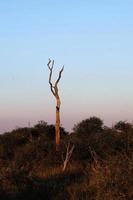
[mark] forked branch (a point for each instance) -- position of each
(54, 89)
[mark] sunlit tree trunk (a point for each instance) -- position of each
(57, 126)
(54, 90)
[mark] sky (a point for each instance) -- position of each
(92, 39)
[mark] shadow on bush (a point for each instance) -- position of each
(34, 188)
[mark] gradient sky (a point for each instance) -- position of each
(93, 39)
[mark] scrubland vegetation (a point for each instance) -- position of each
(100, 166)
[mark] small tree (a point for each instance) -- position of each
(126, 128)
(123, 126)
(87, 126)
(55, 92)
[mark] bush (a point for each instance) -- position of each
(123, 126)
(88, 126)
(100, 167)
(48, 130)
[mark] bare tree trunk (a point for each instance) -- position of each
(57, 126)
(54, 90)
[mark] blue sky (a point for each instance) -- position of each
(93, 39)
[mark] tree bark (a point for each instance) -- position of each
(57, 125)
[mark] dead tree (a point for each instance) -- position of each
(54, 90)
(69, 151)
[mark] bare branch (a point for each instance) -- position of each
(50, 75)
(49, 64)
(68, 155)
(93, 154)
(59, 77)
